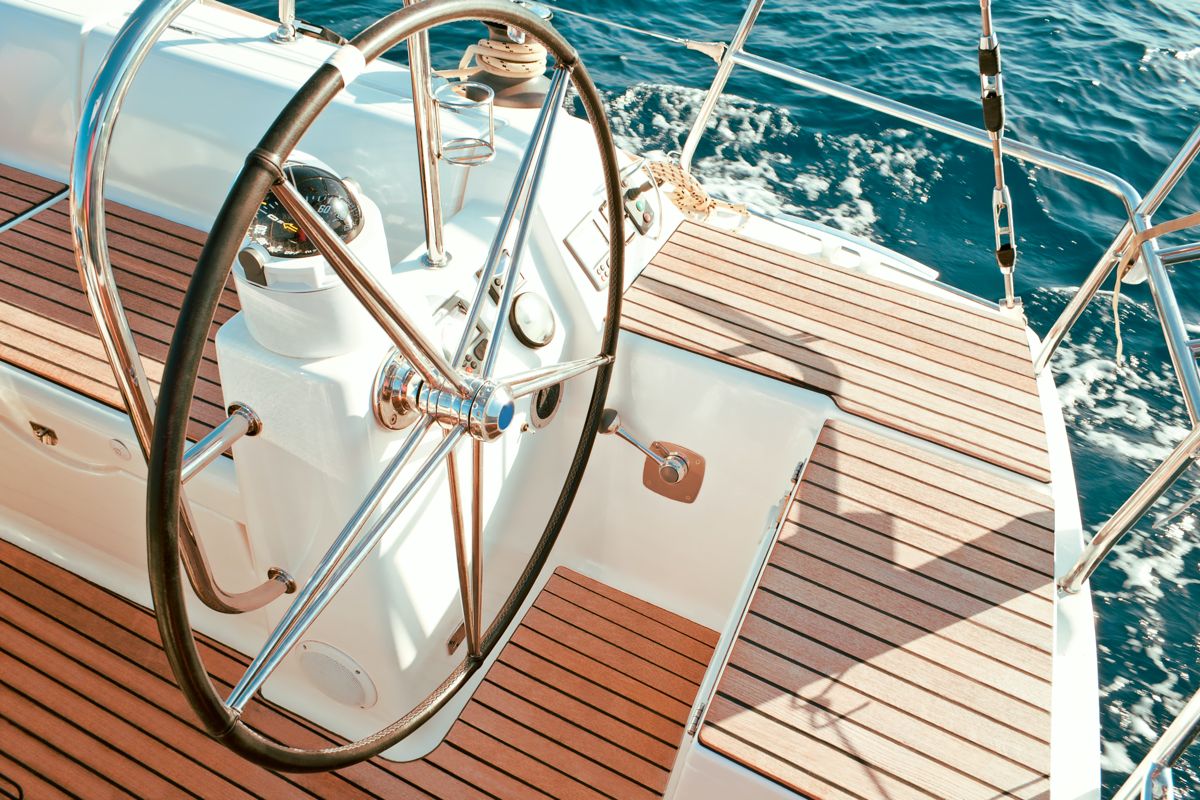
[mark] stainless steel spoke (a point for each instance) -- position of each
(518, 205)
(524, 384)
(549, 115)
(477, 545)
(343, 557)
(373, 295)
(465, 560)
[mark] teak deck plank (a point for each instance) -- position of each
(21, 191)
(47, 327)
(860, 671)
(942, 370)
(88, 706)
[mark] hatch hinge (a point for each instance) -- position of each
(697, 715)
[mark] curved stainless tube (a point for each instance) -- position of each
(724, 67)
(1181, 733)
(242, 421)
(99, 115)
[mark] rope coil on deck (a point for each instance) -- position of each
(689, 196)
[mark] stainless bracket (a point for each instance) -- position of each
(456, 638)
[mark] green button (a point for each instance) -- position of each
(640, 205)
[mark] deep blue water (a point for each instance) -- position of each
(1110, 82)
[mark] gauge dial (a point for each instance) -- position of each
(276, 230)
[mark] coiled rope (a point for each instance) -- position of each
(688, 195)
(502, 59)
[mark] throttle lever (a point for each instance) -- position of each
(672, 467)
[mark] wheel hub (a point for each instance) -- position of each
(401, 396)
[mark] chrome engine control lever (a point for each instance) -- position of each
(671, 470)
(672, 467)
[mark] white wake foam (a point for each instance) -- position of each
(754, 157)
(1131, 416)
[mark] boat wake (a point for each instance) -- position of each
(759, 154)
(1123, 420)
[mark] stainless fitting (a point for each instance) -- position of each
(402, 396)
(672, 467)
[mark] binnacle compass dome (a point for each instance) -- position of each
(276, 230)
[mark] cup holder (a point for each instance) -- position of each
(467, 106)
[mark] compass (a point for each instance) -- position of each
(275, 229)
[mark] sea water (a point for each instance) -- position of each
(1109, 82)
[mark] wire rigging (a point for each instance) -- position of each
(991, 92)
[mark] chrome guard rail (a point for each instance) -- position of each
(100, 110)
(1152, 778)
(1138, 210)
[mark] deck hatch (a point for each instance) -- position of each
(899, 641)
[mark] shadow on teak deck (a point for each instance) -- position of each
(46, 324)
(897, 647)
(899, 643)
(587, 700)
(952, 372)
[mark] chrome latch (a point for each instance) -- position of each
(671, 470)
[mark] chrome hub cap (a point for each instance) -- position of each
(401, 396)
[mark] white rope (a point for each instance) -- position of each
(1133, 252)
(502, 59)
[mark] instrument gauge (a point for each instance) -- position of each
(277, 231)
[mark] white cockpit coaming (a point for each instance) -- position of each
(194, 113)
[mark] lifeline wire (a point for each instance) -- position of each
(991, 91)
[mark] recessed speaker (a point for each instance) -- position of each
(337, 675)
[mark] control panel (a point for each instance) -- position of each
(588, 241)
(638, 208)
(450, 319)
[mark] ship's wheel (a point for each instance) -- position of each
(424, 385)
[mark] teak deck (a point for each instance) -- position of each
(588, 700)
(953, 373)
(899, 642)
(46, 325)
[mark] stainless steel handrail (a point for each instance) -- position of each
(1154, 774)
(1138, 210)
(242, 421)
(724, 67)
(1179, 254)
(429, 142)
(1156, 767)
(100, 110)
